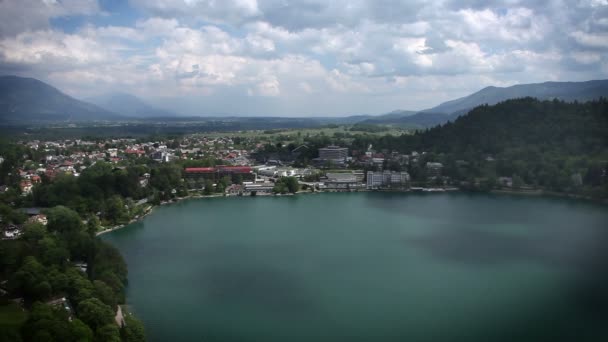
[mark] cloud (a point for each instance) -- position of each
(303, 56)
(23, 15)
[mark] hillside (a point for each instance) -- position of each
(28, 99)
(553, 145)
(128, 105)
(526, 123)
(567, 91)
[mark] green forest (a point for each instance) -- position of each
(42, 268)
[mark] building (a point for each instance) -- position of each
(374, 180)
(12, 232)
(433, 169)
(387, 179)
(161, 156)
(335, 153)
(257, 188)
(40, 218)
(342, 181)
(245, 173)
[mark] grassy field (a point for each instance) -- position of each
(293, 132)
(12, 318)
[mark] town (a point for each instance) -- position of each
(211, 166)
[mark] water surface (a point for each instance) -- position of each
(370, 267)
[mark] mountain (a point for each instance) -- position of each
(450, 110)
(567, 91)
(128, 105)
(27, 99)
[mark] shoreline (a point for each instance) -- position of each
(527, 193)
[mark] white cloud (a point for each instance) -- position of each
(285, 57)
(23, 15)
(598, 40)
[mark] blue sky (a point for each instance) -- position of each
(301, 57)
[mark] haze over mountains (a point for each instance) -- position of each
(567, 91)
(128, 105)
(30, 100)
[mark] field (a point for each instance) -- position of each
(293, 132)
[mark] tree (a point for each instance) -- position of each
(63, 220)
(105, 293)
(133, 330)
(208, 187)
(31, 280)
(115, 210)
(517, 182)
(286, 184)
(79, 287)
(80, 332)
(47, 323)
(108, 333)
(95, 313)
(292, 184)
(93, 225)
(52, 252)
(32, 232)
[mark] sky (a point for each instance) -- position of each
(301, 57)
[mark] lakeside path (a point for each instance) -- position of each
(119, 318)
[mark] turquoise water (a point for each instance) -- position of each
(370, 267)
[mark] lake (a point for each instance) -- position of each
(370, 267)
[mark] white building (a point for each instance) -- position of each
(387, 179)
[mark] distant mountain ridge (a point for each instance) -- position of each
(567, 91)
(128, 105)
(450, 110)
(28, 99)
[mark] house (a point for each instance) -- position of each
(433, 169)
(81, 266)
(143, 182)
(506, 181)
(40, 218)
(62, 302)
(26, 187)
(234, 190)
(12, 232)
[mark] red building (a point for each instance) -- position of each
(216, 173)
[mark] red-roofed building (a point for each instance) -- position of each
(133, 151)
(194, 170)
(234, 169)
(215, 173)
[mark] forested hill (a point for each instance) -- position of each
(571, 128)
(553, 145)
